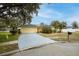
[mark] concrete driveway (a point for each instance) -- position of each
(30, 40)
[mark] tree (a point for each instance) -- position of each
(42, 24)
(2, 25)
(18, 13)
(64, 25)
(74, 25)
(46, 29)
(58, 25)
(23, 11)
(55, 24)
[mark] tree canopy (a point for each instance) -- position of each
(63, 24)
(21, 11)
(55, 24)
(74, 24)
(58, 25)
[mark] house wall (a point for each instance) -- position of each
(29, 30)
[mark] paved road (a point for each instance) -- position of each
(30, 40)
(55, 49)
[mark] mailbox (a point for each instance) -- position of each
(69, 33)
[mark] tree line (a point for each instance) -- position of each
(57, 26)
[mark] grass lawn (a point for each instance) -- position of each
(6, 37)
(62, 36)
(7, 48)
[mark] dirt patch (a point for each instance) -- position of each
(7, 48)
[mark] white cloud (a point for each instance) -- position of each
(67, 14)
(50, 13)
(73, 18)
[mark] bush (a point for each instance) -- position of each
(13, 32)
(54, 30)
(46, 29)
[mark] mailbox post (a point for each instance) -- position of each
(69, 33)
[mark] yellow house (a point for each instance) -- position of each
(29, 29)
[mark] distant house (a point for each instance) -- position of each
(29, 29)
(69, 30)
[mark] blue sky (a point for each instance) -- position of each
(68, 12)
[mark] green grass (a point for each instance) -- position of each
(3, 38)
(63, 36)
(6, 37)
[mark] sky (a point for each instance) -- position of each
(68, 12)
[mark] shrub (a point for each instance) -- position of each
(46, 29)
(13, 31)
(54, 30)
